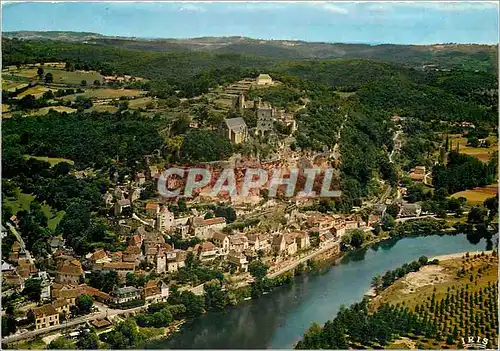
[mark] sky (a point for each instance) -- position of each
(349, 22)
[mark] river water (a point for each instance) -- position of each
(278, 320)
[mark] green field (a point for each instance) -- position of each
(36, 91)
(140, 102)
(60, 75)
(51, 160)
(103, 108)
(105, 93)
(44, 110)
(22, 201)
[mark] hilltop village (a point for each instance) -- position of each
(160, 243)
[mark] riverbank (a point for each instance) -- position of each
(278, 320)
(319, 266)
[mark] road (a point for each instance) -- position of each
(104, 312)
(21, 242)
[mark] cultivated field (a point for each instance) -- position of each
(481, 153)
(36, 91)
(44, 110)
(106, 93)
(478, 195)
(60, 75)
(459, 296)
(140, 102)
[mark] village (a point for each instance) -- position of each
(281, 233)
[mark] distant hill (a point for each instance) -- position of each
(53, 35)
(440, 56)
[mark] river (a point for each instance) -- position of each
(279, 319)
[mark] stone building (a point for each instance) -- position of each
(265, 120)
(236, 130)
(264, 79)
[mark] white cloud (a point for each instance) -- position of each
(331, 7)
(191, 7)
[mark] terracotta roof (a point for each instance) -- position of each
(133, 250)
(216, 220)
(98, 255)
(136, 239)
(219, 236)
(60, 303)
(119, 265)
(207, 246)
(101, 323)
(71, 267)
(313, 220)
(45, 310)
(151, 206)
(299, 234)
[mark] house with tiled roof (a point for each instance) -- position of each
(207, 251)
(238, 242)
(239, 260)
(45, 316)
(70, 272)
(221, 240)
(120, 205)
(279, 244)
(320, 224)
(125, 294)
(206, 228)
(155, 291)
(101, 323)
(258, 242)
(291, 244)
(176, 260)
(152, 208)
(62, 306)
(410, 210)
(99, 257)
(164, 219)
(132, 254)
(122, 268)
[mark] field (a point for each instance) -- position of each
(60, 75)
(36, 91)
(103, 108)
(460, 296)
(105, 94)
(44, 110)
(481, 153)
(51, 160)
(140, 102)
(12, 85)
(22, 202)
(478, 195)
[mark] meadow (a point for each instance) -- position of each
(478, 195)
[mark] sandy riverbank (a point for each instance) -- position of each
(459, 255)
